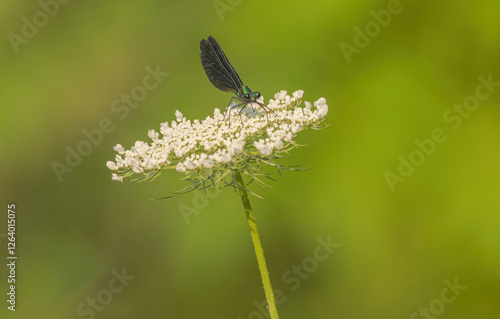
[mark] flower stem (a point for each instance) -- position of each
(264, 273)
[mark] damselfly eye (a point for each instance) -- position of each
(257, 95)
(247, 96)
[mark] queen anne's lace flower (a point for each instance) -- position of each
(209, 149)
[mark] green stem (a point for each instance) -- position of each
(264, 273)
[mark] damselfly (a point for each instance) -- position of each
(223, 76)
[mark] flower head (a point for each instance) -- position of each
(207, 151)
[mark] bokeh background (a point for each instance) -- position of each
(398, 245)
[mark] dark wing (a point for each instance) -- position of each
(217, 67)
(234, 76)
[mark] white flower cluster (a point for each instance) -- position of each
(190, 146)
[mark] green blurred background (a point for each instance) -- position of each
(398, 245)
